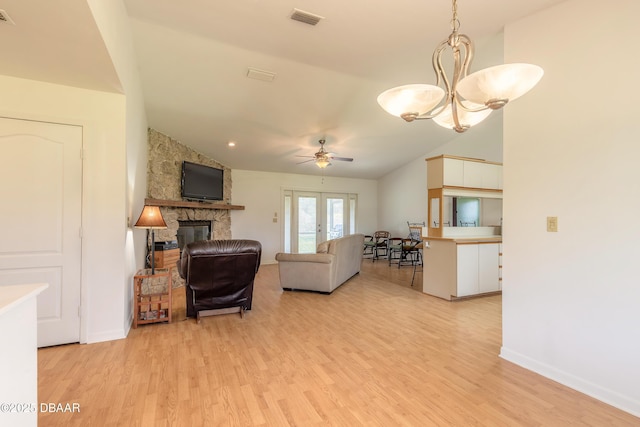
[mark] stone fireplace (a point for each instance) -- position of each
(217, 222)
(164, 169)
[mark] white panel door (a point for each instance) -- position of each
(41, 190)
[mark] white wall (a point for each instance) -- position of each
(114, 25)
(261, 194)
(403, 197)
(571, 299)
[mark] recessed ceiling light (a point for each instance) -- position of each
(231, 144)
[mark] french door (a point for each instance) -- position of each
(313, 217)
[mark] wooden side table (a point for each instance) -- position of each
(152, 296)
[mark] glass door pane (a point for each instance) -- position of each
(334, 208)
(287, 226)
(308, 222)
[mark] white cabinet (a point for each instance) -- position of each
(467, 270)
(488, 267)
(453, 172)
(477, 269)
(19, 355)
(455, 269)
(473, 174)
(444, 171)
(458, 177)
(482, 175)
(500, 265)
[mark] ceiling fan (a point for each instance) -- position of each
(323, 158)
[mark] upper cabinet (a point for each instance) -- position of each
(449, 171)
(464, 197)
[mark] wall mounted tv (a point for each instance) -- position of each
(200, 182)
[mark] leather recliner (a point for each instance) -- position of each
(219, 274)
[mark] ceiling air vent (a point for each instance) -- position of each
(265, 76)
(306, 17)
(4, 17)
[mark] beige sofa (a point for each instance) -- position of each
(334, 262)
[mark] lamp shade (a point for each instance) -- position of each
(466, 118)
(415, 99)
(151, 217)
(502, 82)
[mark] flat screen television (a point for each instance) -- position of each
(200, 182)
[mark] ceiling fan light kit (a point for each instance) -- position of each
(323, 158)
(466, 100)
(323, 163)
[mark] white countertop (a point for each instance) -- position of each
(13, 295)
(467, 239)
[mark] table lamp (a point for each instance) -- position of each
(151, 219)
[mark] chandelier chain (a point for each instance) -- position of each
(455, 22)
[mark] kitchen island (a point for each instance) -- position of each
(462, 267)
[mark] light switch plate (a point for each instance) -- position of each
(552, 224)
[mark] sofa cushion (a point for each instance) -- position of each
(323, 248)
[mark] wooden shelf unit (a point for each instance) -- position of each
(194, 205)
(154, 306)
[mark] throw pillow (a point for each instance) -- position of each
(323, 248)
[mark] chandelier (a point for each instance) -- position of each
(466, 100)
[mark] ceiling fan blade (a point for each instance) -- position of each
(342, 159)
(310, 157)
(306, 161)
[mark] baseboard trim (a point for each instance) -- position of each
(106, 336)
(605, 395)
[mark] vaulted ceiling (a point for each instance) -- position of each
(194, 55)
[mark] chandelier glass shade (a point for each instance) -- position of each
(444, 115)
(418, 99)
(464, 100)
(508, 81)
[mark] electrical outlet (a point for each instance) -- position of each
(552, 224)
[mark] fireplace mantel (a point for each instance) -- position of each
(192, 205)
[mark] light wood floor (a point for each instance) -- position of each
(374, 353)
